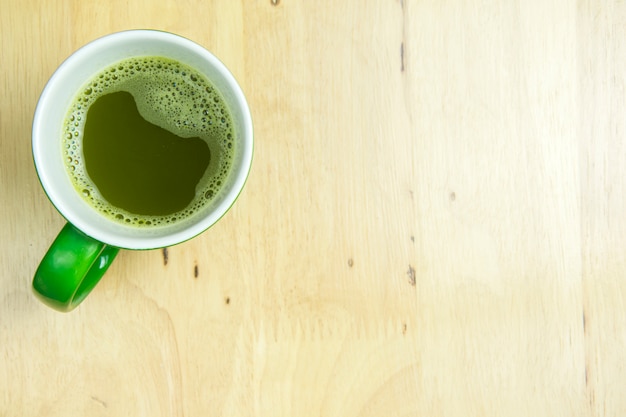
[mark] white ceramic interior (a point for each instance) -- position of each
(70, 78)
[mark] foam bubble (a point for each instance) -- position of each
(172, 96)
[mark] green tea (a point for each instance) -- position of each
(136, 165)
(149, 141)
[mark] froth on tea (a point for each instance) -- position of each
(148, 141)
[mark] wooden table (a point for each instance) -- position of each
(434, 224)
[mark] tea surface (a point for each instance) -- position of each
(149, 141)
(136, 165)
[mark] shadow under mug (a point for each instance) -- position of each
(89, 242)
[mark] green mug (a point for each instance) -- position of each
(88, 243)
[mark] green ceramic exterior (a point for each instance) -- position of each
(71, 268)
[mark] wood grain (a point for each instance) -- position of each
(434, 224)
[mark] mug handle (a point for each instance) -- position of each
(71, 268)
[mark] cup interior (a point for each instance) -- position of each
(71, 77)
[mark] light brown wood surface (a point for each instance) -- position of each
(434, 224)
